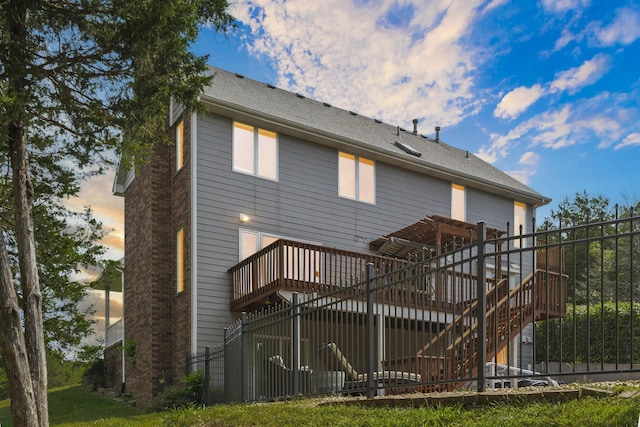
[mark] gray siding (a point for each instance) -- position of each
(303, 204)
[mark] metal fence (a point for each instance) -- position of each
(210, 362)
(557, 305)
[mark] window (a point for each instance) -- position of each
(180, 145)
(255, 151)
(300, 262)
(458, 202)
(356, 177)
(252, 241)
(519, 219)
(180, 260)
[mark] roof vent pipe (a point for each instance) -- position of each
(437, 133)
(415, 126)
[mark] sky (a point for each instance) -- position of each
(547, 91)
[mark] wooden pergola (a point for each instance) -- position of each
(437, 234)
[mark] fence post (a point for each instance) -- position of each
(371, 356)
(244, 355)
(226, 361)
(207, 376)
(295, 342)
(481, 340)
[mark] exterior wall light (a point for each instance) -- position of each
(244, 218)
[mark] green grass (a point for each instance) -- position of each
(74, 407)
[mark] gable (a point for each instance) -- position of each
(235, 96)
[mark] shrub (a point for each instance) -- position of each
(603, 333)
(189, 393)
(94, 376)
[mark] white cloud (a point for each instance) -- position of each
(106, 207)
(576, 78)
(625, 29)
(602, 118)
(494, 4)
(529, 159)
(390, 60)
(518, 100)
(521, 175)
(630, 140)
(566, 38)
(556, 6)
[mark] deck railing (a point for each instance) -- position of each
(114, 333)
(288, 265)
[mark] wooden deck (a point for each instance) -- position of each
(451, 353)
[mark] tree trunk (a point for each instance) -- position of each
(12, 347)
(29, 279)
(17, 67)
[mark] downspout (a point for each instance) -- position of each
(124, 377)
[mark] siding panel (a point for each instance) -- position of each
(303, 204)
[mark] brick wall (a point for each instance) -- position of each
(113, 366)
(181, 218)
(149, 275)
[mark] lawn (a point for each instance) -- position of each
(74, 407)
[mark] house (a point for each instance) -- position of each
(264, 164)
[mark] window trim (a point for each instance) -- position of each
(357, 161)
(457, 187)
(516, 223)
(180, 261)
(257, 133)
(180, 145)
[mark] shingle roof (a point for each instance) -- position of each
(234, 92)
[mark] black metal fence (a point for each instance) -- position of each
(558, 305)
(211, 363)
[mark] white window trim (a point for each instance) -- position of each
(180, 261)
(260, 234)
(256, 156)
(180, 145)
(516, 224)
(459, 187)
(357, 179)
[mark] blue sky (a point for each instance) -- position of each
(548, 91)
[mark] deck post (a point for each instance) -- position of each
(482, 308)
(371, 353)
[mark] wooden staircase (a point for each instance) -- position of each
(452, 353)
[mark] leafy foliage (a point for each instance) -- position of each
(601, 257)
(79, 79)
(187, 394)
(606, 333)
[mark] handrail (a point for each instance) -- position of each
(291, 265)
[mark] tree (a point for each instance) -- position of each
(79, 78)
(582, 260)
